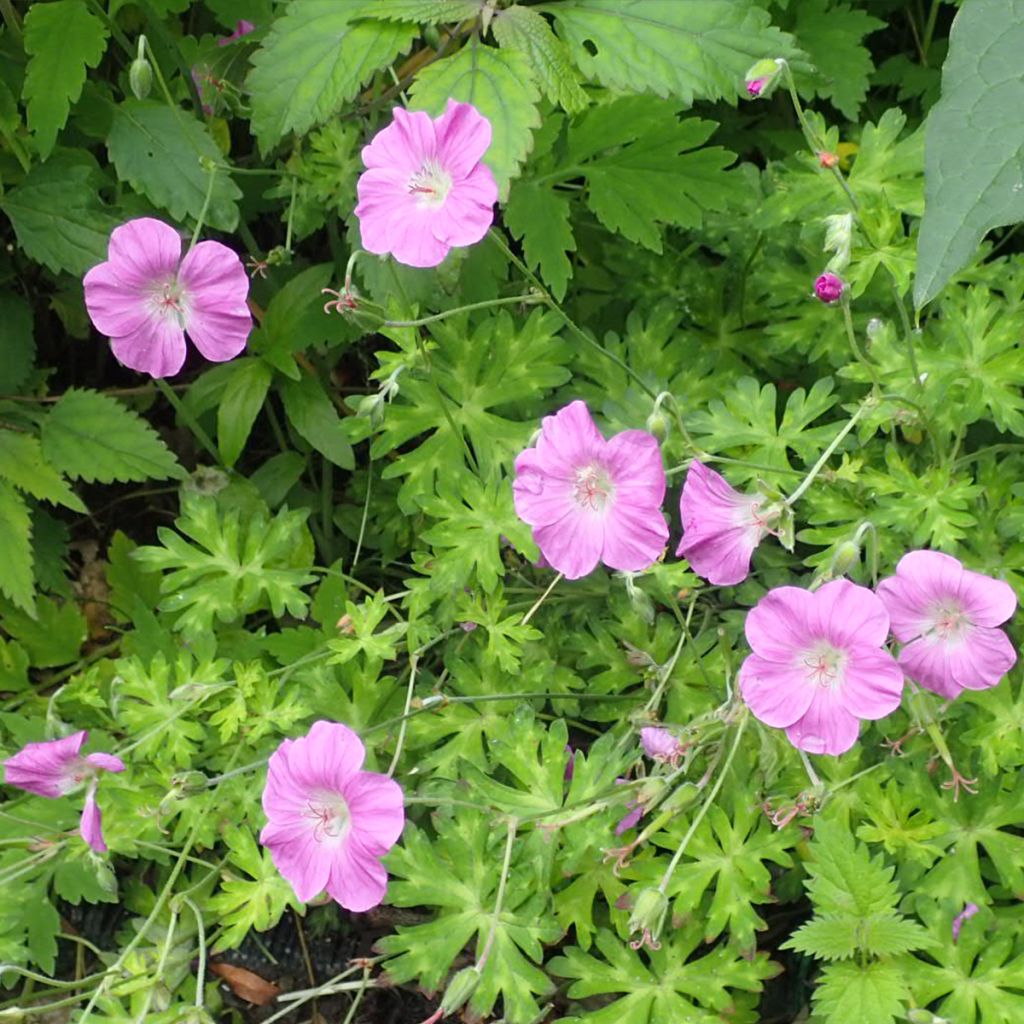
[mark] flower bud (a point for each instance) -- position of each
(829, 287)
(761, 77)
(828, 160)
(460, 989)
(140, 77)
(647, 917)
(844, 558)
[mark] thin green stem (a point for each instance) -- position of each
(530, 298)
(201, 935)
(413, 666)
(165, 952)
(540, 600)
(827, 453)
(706, 806)
(506, 862)
(205, 208)
(858, 352)
(366, 510)
(189, 420)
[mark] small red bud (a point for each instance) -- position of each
(829, 287)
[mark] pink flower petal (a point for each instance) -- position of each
(773, 691)
(634, 538)
(216, 287)
(778, 625)
(468, 211)
(634, 460)
(408, 236)
(573, 545)
(722, 559)
(105, 762)
(569, 439)
(988, 602)
(540, 499)
(377, 806)
(358, 880)
(463, 137)
(827, 727)
(156, 348)
(846, 613)
(907, 605)
(90, 826)
(46, 768)
(116, 306)
(144, 250)
(331, 754)
(404, 144)
(983, 659)
(924, 660)
(873, 683)
(304, 863)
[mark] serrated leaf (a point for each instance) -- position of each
(316, 420)
(523, 29)
(315, 59)
(240, 405)
(873, 993)
(499, 84)
(982, 95)
(55, 634)
(93, 437)
(831, 35)
(62, 39)
(690, 49)
(15, 547)
(425, 12)
(58, 217)
(157, 150)
(538, 215)
(22, 464)
(17, 343)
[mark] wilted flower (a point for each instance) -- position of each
(660, 745)
(53, 768)
(647, 918)
(590, 500)
(329, 821)
(425, 189)
(242, 28)
(145, 297)
(818, 664)
(721, 526)
(970, 909)
(946, 616)
(829, 287)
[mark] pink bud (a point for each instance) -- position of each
(829, 287)
(754, 87)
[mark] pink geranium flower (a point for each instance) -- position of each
(55, 767)
(660, 745)
(146, 297)
(590, 500)
(425, 189)
(819, 665)
(946, 617)
(721, 526)
(329, 821)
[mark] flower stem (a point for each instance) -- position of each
(413, 666)
(201, 934)
(204, 209)
(499, 899)
(828, 452)
(189, 420)
(858, 352)
(529, 299)
(706, 806)
(540, 600)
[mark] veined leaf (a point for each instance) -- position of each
(316, 420)
(966, 195)
(315, 58)
(62, 39)
(93, 437)
(23, 464)
(158, 151)
(690, 49)
(17, 343)
(15, 547)
(240, 405)
(499, 84)
(873, 993)
(424, 12)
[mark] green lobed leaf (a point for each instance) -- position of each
(690, 49)
(158, 150)
(499, 84)
(58, 217)
(523, 29)
(316, 420)
(16, 580)
(974, 144)
(315, 58)
(53, 636)
(23, 464)
(240, 405)
(93, 437)
(538, 216)
(62, 39)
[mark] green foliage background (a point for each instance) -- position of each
(323, 528)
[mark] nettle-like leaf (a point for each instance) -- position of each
(965, 197)
(252, 900)
(667, 986)
(832, 34)
(22, 463)
(499, 83)
(869, 993)
(456, 873)
(690, 49)
(240, 562)
(57, 214)
(425, 12)
(746, 421)
(93, 437)
(315, 58)
(62, 39)
(500, 365)
(16, 581)
(158, 150)
(728, 858)
(523, 29)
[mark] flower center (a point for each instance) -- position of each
(592, 487)
(167, 300)
(949, 621)
(430, 184)
(330, 817)
(824, 664)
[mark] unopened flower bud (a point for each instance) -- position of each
(647, 917)
(829, 287)
(659, 744)
(844, 558)
(828, 160)
(140, 77)
(460, 989)
(760, 79)
(189, 782)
